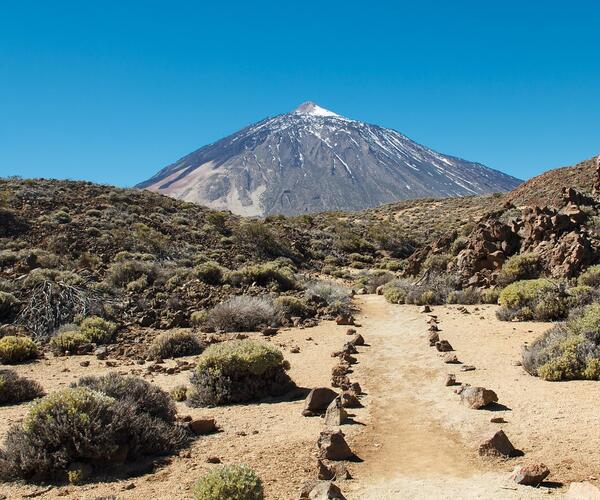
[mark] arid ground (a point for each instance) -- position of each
(413, 436)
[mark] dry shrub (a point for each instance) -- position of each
(235, 482)
(16, 389)
(243, 313)
(174, 345)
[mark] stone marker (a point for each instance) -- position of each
(497, 446)
(531, 475)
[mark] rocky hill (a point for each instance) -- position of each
(546, 189)
(313, 160)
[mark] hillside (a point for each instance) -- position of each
(545, 189)
(311, 160)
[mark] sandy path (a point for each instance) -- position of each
(414, 445)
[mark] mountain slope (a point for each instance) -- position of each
(314, 160)
(546, 188)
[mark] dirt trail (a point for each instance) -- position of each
(407, 450)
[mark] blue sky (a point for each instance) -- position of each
(111, 91)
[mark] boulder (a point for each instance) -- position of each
(332, 445)
(336, 471)
(425, 309)
(335, 415)
(320, 490)
(357, 340)
(477, 397)
(450, 358)
(443, 346)
(497, 446)
(531, 475)
(344, 319)
(582, 491)
(318, 400)
(201, 426)
(450, 379)
(350, 400)
(433, 338)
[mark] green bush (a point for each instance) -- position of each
(490, 296)
(174, 345)
(525, 266)
(179, 393)
(238, 371)
(14, 349)
(210, 272)
(336, 297)
(68, 341)
(523, 293)
(467, 296)
(97, 330)
(591, 277)
(396, 291)
(293, 307)
(80, 429)
(267, 274)
(586, 322)
(231, 482)
(16, 389)
(437, 262)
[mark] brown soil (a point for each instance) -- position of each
(415, 438)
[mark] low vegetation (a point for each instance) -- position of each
(569, 350)
(174, 345)
(15, 349)
(235, 482)
(99, 423)
(16, 389)
(243, 313)
(238, 371)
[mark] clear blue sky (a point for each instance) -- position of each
(111, 91)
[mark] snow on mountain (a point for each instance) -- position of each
(313, 159)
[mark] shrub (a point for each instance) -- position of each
(14, 349)
(459, 244)
(120, 273)
(490, 296)
(147, 398)
(396, 291)
(293, 307)
(179, 393)
(523, 293)
(238, 371)
(437, 262)
(268, 274)
(582, 295)
(335, 297)
(198, 318)
(68, 341)
(525, 266)
(261, 240)
(210, 272)
(174, 345)
(8, 306)
(242, 313)
(16, 389)
(234, 482)
(77, 429)
(467, 296)
(97, 330)
(591, 277)
(586, 322)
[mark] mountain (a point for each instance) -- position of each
(314, 160)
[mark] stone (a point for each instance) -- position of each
(443, 346)
(85, 363)
(497, 446)
(202, 426)
(295, 350)
(497, 420)
(467, 368)
(332, 445)
(318, 400)
(101, 353)
(350, 400)
(531, 475)
(351, 331)
(320, 490)
(434, 328)
(477, 397)
(269, 331)
(356, 388)
(335, 415)
(323, 472)
(344, 319)
(433, 338)
(340, 471)
(357, 340)
(582, 491)
(212, 459)
(450, 379)
(425, 309)
(450, 358)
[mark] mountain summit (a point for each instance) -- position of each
(313, 159)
